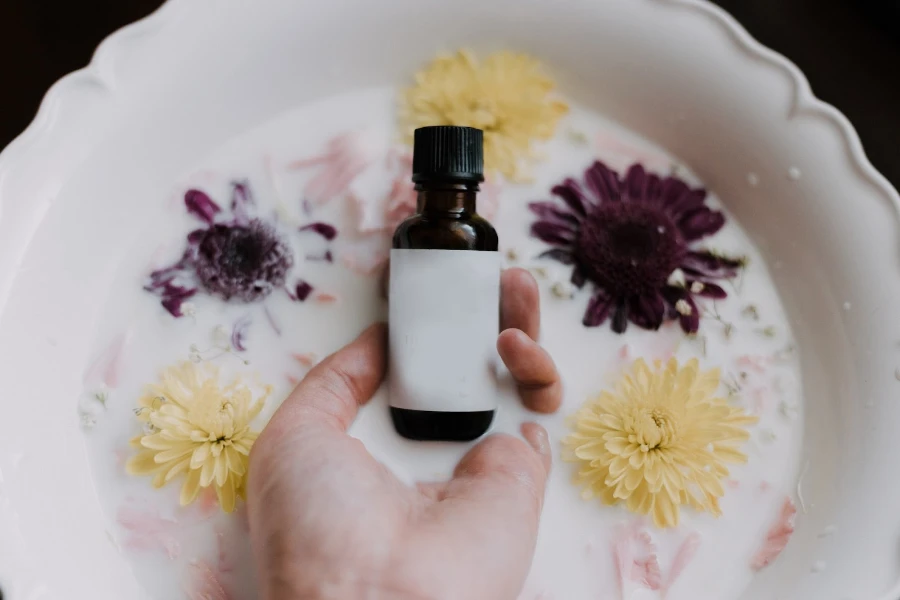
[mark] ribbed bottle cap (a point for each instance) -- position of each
(448, 153)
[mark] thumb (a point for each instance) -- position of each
(492, 506)
(503, 470)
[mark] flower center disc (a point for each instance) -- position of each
(629, 248)
(242, 261)
(656, 428)
(242, 252)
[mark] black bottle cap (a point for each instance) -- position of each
(448, 153)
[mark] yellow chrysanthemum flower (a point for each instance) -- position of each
(507, 96)
(659, 441)
(197, 429)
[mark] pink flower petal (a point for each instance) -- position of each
(147, 531)
(307, 359)
(683, 557)
(777, 538)
(384, 195)
(205, 583)
(224, 560)
(758, 401)
(345, 157)
(325, 298)
(208, 503)
(753, 363)
(106, 368)
(635, 558)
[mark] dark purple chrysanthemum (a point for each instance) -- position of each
(232, 256)
(242, 261)
(628, 236)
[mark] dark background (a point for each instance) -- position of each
(849, 50)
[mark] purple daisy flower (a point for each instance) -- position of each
(234, 256)
(242, 261)
(628, 236)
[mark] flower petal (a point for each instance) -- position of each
(620, 318)
(177, 469)
(200, 455)
(708, 264)
(597, 309)
(635, 184)
(549, 211)
(174, 297)
(603, 182)
(227, 495)
(207, 472)
(190, 488)
(700, 222)
(690, 322)
(578, 277)
(709, 290)
(239, 333)
(196, 236)
(570, 192)
(553, 233)
(647, 311)
(678, 198)
(560, 254)
(221, 470)
(329, 232)
(142, 463)
(241, 199)
(302, 290)
(201, 205)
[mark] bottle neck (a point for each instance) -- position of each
(446, 198)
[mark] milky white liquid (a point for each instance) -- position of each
(574, 560)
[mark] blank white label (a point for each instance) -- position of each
(444, 320)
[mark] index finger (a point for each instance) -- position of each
(520, 302)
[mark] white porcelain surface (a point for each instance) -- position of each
(166, 92)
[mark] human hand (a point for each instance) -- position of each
(327, 520)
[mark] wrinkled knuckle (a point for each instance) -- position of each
(340, 384)
(512, 460)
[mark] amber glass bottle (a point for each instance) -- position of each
(444, 296)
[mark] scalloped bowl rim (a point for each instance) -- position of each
(22, 159)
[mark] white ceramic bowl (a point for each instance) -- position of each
(167, 90)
